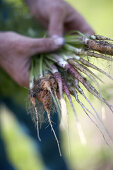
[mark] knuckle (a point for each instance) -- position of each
(58, 7)
(49, 44)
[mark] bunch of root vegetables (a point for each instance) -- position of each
(65, 72)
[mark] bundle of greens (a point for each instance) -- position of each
(66, 71)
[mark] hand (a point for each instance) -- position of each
(58, 17)
(16, 51)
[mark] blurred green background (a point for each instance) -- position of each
(94, 155)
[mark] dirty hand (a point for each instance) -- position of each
(58, 16)
(16, 51)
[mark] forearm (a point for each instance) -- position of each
(2, 45)
(6, 39)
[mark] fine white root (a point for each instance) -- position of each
(49, 119)
(37, 125)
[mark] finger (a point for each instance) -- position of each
(75, 21)
(56, 22)
(45, 45)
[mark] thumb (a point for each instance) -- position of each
(56, 22)
(43, 45)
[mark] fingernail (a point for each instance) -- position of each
(58, 40)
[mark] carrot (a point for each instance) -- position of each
(97, 55)
(88, 64)
(75, 74)
(99, 37)
(100, 46)
(82, 51)
(44, 96)
(85, 71)
(67, 92)
(33, 101)
(58, 78)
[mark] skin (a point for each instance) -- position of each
(58, 17)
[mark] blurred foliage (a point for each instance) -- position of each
(97, 13)
(21, 148)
